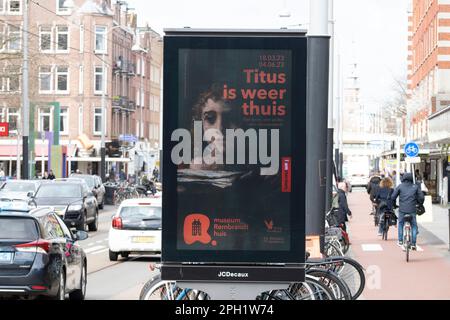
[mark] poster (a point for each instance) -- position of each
(234, 153)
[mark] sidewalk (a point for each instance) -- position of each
(388, 275)
(436, 223)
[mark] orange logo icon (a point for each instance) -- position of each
(196, 229)
(269, 224)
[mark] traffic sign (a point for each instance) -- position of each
(413, 160)
(127, 138)
(411, 149)
(4, 129)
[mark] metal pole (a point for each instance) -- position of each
(102, 146)
(317, 109)
(25, 97)
(449, 229)
(330, 135)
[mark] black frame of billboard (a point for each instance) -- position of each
(297, 44)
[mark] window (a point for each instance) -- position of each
(99, 82)
(2, 36)
(13, 79)
(13, 118)
(45, 79)
(155, 76)
(61, 9)
(138, 66)
(15, 7)
(97, 121)
(2, 6)
(14, 38)
(100, 39)
(80, 120)
(81, 38)
(143, 68)
(156, 106)
(81, 80)
(45, 38)
(62, 36)
(64, 121)
(45, 119)
(62, 79)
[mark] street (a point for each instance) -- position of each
(121, 280)
(388, 275)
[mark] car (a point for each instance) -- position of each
(73, 201)
(136, 228)
(40, 256)
(18, 189)
(358, 180)
(95, 184)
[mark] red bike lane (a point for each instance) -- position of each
(388, 275)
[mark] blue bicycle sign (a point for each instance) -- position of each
(411, 149)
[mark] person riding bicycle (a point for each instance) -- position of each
(410, 196)
(384, 203)
(372, 188)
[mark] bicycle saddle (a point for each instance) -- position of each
(407, 218)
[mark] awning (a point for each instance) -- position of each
(98, 159)
(8, 151)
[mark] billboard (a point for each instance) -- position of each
(234, 149)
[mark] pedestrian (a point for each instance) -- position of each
(51, 176)
(2, 173)
(410, 196)
(344, 211)
(394, 177)
(45, 176)
(383, 201)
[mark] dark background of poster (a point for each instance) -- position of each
(254, 253)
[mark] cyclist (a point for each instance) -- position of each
(372, 188)
(383, 200)
(410, 196)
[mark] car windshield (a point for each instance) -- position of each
(59, 191)
(141, 212)
(90, 181)
(18, 228)
(19, 187)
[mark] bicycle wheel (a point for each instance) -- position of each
(385, 230)
(311, 289)
(351, 272)
(406, 243)
(330, 279)
(156, 289)
(331, 250)
(276, 295)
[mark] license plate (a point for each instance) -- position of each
(6, 257)
(143, 239)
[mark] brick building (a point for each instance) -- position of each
(77, 55)
(428, 117)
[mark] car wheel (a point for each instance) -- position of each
(80, 294)
(94, 225)
(113, 256)
(125, 255)
(61, 294)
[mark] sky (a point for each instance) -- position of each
(371, 33)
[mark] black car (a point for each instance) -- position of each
(40, 256)
(73, 201)
(95, 185)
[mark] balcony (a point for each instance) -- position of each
(123, 103)
(124, 67)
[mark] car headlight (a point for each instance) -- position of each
(75, 207)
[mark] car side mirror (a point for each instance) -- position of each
(30, 194)
(81, 235)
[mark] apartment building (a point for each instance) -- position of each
(428, 105)
(82, 59)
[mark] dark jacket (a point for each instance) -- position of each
(383, 199)
(373, 186)
(409, 193)
(344, 210)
